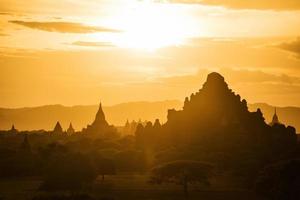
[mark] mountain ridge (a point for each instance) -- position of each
(45, 117)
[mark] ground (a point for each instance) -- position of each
(128, 186)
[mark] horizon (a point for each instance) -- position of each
(140, 101)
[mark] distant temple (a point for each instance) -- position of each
(13, 130)
(130, 127)
(70, 130)
(275, 119)
(100, 127)
(58, 129)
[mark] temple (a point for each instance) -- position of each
(99, 127)
(13, 130)
(275, 119)
(57, 129)
(70, 130)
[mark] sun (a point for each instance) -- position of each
(150, 26)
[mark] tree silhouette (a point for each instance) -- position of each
(25, 146)
(105, 166)
(280, 181)
(69, 172)
(183, 172)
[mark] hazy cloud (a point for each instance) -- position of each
(234, 76)
(3, 34)
(247, 4)
(92, 44)
(293, 46)
(5, 13)
(63, 27)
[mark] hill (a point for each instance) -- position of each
(45, 117)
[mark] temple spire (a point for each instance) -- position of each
(13, 130)
(100, 117)
(275, 119)
(57, 129)
(70, 130)
(99, 125)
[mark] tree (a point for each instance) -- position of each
(25, 146)
(182, 172)
(130, 161)
(280, 181)
(69, 172)
(104, 166)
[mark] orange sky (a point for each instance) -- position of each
(78, 52)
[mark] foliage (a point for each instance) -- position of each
(69, 172)
(182, 172)
(103, 166)
(177, 171)
(64, 197)
(280, 181)
(130, 160)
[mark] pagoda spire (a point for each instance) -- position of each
(275, 119)
(57, 129)
(13, 130)
(99, 126)
(100, 117)
(70, 130)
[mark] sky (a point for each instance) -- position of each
(78, 52)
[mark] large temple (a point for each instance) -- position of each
(100, 126)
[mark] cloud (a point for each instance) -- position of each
(5, 13)
(247, 4)
(234, 76)
(92, 44)
(63, 27)
(293, 46)
(3, 34)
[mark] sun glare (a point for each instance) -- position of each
(149, 26)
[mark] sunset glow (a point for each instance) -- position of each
(115, 48)
(149, 26)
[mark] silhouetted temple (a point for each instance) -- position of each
(100, 127)
(275, 119)
(130, 127)
(70, 130)
(217, 119)
(212, 107)
(13, 130)
(58, 129)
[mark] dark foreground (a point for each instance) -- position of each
(123, 187)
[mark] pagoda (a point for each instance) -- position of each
(275, 119)
(70, 130)
(100, 126)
